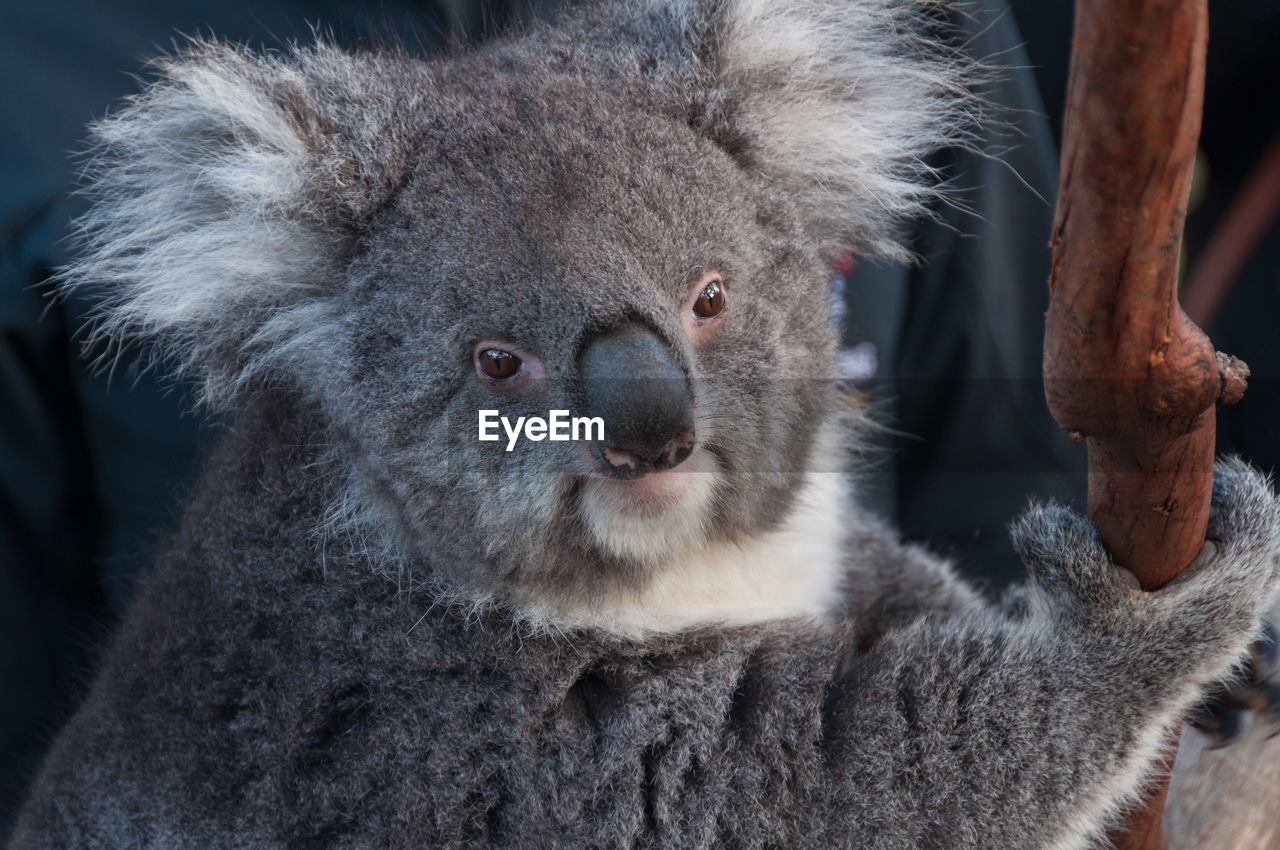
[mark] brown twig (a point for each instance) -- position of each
(1125, 369)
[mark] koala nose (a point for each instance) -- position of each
(631, 380)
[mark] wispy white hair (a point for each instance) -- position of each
(230, 193)
(838, 102)
(221, 197)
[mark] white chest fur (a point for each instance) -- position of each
(792, 571)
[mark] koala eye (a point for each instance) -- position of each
(498, 364)
(710, 300)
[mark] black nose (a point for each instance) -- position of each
(631, 380)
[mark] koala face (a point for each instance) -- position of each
(558, 217)
(628, 216)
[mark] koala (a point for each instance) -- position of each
(376, 629)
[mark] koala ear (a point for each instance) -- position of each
(226, 194)
(837, 103)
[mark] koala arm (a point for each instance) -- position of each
(890, 584)
(973, 728)
(956, 726)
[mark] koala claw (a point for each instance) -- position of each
(1126, 579)
(1208, 554)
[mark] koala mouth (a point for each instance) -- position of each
(648, 493)
(654, 516)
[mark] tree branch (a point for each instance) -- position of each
(1125, 369)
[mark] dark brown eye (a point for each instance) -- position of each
(498, 364)
(710, 300)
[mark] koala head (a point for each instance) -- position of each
(630, 214)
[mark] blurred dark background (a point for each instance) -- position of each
(93, 466)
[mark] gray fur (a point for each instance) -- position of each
(359, 637)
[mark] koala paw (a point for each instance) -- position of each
(1223, 592)
(1064, 554)
(1242, 543)
(1245, 513)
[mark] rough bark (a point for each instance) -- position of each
(1125, 369)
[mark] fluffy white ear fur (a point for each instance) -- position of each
(844, 100)
(227, 192)
(838, 102)
(222, 197)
